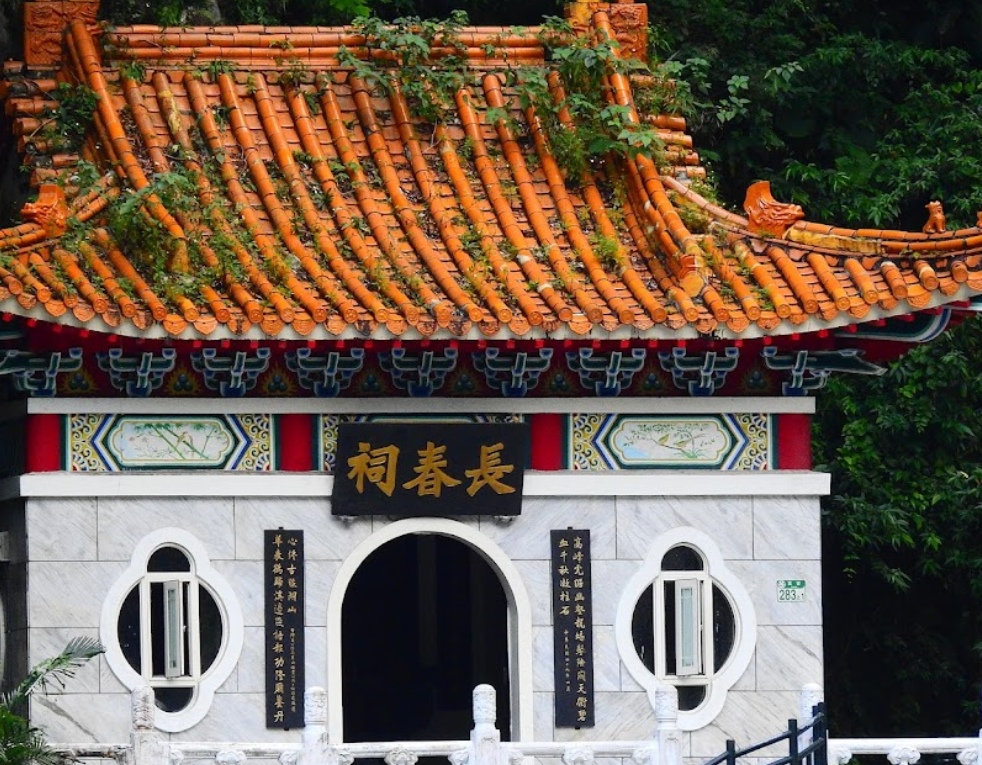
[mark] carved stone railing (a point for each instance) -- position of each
(905, 751)
(897, 751)
(485, 747)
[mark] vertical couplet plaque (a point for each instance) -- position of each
(284, 628)
(572, 620)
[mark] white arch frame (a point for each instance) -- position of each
(519, 616)
(228, 606)
(745, 637)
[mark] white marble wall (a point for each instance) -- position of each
(78, 548)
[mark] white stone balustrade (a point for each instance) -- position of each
(485, 747)
(897, 751)
(905, 751)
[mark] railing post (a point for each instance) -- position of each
(485, 736)
(811, 697)
(793, 742)
(146, 747)
(313, 738)
(822, 753)
(667, 733)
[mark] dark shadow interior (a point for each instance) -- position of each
(424, 620)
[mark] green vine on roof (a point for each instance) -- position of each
(429, 82)
(427, 61)
(71, 118)
(602, 129)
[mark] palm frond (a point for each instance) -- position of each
(23, 744)
(55, 670)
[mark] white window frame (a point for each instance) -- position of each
(714, 573)
(201, 574)
(701, 647)
(179, 626)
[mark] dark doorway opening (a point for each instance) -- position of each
(425, 619)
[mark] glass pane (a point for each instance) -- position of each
(168, 559)
(682, 558)
(128, 628)
(173, 629)
(724, 628)
(209, 628)
(691, 696)
(643, 629)
(687, 629)
(173, 699)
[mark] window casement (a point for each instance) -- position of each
(690, 648)
(685, 620)
(172, 622)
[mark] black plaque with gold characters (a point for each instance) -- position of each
(284, 628)
(429, 468)
(572, 619)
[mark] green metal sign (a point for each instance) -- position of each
(790, 590)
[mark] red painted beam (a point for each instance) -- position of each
(296, 442)
(794, 442)
(547, 441)
(45, 445)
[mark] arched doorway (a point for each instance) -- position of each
(424, 619)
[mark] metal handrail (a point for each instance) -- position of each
(815, 752)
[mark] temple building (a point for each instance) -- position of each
(373, 358)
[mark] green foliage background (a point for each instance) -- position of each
(862, 113)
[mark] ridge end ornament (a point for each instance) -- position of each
(766, 215)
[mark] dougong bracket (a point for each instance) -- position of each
(701, 374)
(326, 375)
(419, 375)
(138, 376)
(810, 370)
(38, 375)
(234, 374)
(606, 374)
(514, 373)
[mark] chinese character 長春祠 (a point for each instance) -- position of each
(490, 471)
(431, 478)
(377, 465)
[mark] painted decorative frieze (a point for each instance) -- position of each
(687, 441)
(528, 370)
(109, 443)
(328, 431)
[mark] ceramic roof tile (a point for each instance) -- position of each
(320, 208)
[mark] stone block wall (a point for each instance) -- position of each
(79, 547)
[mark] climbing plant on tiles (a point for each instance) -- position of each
(426, 60)
(411, 46)
(598, 127)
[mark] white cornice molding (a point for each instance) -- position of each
(679, 405)
(559, 483)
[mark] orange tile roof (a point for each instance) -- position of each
(346, 217)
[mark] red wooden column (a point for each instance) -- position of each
(45, 444)
(296, 442)
(794, 442)
(547, 441)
